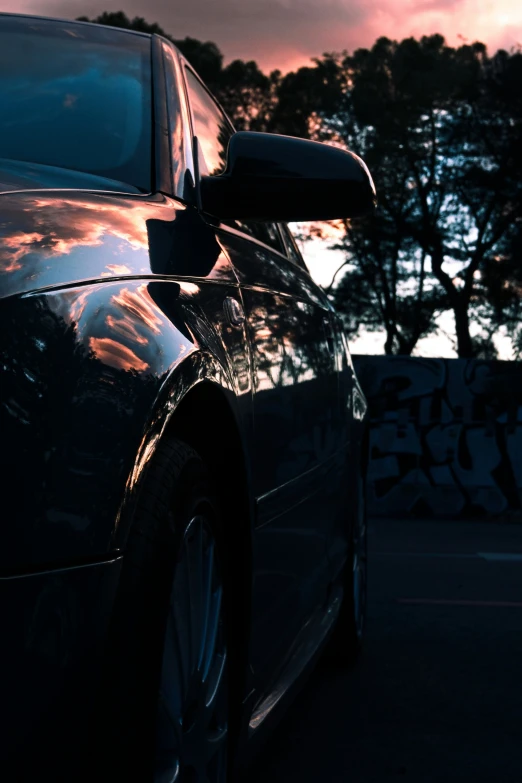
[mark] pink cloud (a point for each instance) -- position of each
(287, 33)
(116, 355)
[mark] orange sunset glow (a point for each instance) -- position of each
(57, 227)
(285, 34)
(116, 355)
(139, 306)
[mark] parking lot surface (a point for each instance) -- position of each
(437, 694)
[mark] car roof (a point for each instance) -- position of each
(74, 21)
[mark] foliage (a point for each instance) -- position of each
(440, 141)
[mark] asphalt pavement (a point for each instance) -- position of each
(437, 694)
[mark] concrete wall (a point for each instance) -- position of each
(446, 436)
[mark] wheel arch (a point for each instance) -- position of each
(205, 420)
(198, 406)
(218, 441)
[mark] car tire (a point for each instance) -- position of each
(165, 690)
(344, 645)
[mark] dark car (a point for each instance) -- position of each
(183, 435)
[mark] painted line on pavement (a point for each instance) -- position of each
(464, 555)
(513, 557)
(457, 602)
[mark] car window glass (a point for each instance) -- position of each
(264, 232)
(178, 122)
(213, 130)
(291, 248)
(76, 97)
(210, 125)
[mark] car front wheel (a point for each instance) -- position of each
(192, 717)
(166, 688)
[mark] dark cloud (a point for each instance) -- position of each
(275, 32)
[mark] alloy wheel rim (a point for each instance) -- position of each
(191, 729)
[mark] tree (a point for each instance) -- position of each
(428, 112)
(120, 19)
(437, 129)
(247, 94)
(205, 58)
(493, 183)
(386, 284)
(305, 94)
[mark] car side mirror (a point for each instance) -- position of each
(282, 178)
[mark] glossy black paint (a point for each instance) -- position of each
(103, 333)
(296, 416)
(271, 177)
(84, 364)
(54, 628)
(114, 314)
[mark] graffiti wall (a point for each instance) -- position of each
(446, 436)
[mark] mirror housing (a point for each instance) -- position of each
(282, 178)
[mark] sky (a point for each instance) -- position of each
(285, 34)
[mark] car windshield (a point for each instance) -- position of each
(76, 97)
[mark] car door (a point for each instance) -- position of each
(296, 450)
(295, 447)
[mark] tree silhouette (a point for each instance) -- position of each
(439, 128)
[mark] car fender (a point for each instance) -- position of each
(91, 375)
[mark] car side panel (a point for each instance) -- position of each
(54, 627)
(297, 458)
(353, 409)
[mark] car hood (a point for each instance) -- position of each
(55, 238)
(18, 175)
(51, 238)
